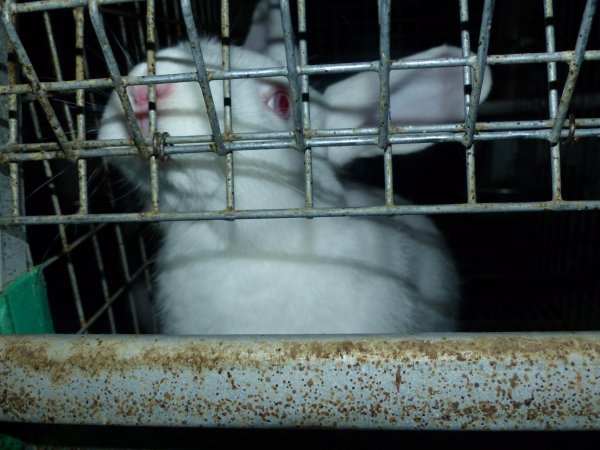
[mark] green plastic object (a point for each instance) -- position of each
(11, 443)
(24, 306)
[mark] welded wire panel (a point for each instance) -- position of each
(302, 137)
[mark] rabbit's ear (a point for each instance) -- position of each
(417, 96)
(266, 32)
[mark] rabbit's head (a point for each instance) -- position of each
(257, 104)
(417, 96)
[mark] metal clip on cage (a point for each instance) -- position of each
(462, 381)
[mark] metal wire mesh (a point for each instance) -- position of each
(62, 91)
(548, 129)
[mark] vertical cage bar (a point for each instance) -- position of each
(471, 180)
(479, 72)
(82, 181)
(78, 17)
(147, 278)
(292, 74)
(465, 38)
(140, 27)
(151, 64)
(552, 98)
(122, 256)
(384, 72)
(304, 86)
(57, 69)
(201, 73)
(78, 134)
(13, 240)
(62, 229)
(127, 277)
(574, 68)
(384, 10)
(124, 37)
(15, 189)
(551, 66)
(72, 276)
(113, 68)
(154, 185)
(151, 70)
(103, 282)
(227, 102)
(80, 75)
(122, 252)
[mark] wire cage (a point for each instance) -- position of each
(513, 188)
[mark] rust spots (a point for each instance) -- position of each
(398, 379)
(231, 380)
(465, 381)
(514, 381)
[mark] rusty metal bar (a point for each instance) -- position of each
(47, 5)
(456, 382)
(551, 205)
(383, 141)
(552, 98)
(479, 70)
(227, 102)
(384, 8)
(119, 86)
(80, 72)
(57, 69)
(146, 283)
(293, 75)
(574, 67)
(468, 80)
(15, 152)
(103, 282)
(150, 48)
(304, 84)
(350, 68)
(140, 26)
(201, 76)
(151, 64)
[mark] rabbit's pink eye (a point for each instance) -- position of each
(280, 103)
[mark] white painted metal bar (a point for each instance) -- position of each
(457, 382)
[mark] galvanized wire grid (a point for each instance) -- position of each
(552, 129)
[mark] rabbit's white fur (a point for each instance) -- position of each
(325, 275)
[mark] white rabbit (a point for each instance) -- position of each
(291, 276)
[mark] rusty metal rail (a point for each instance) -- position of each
(475, 382)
